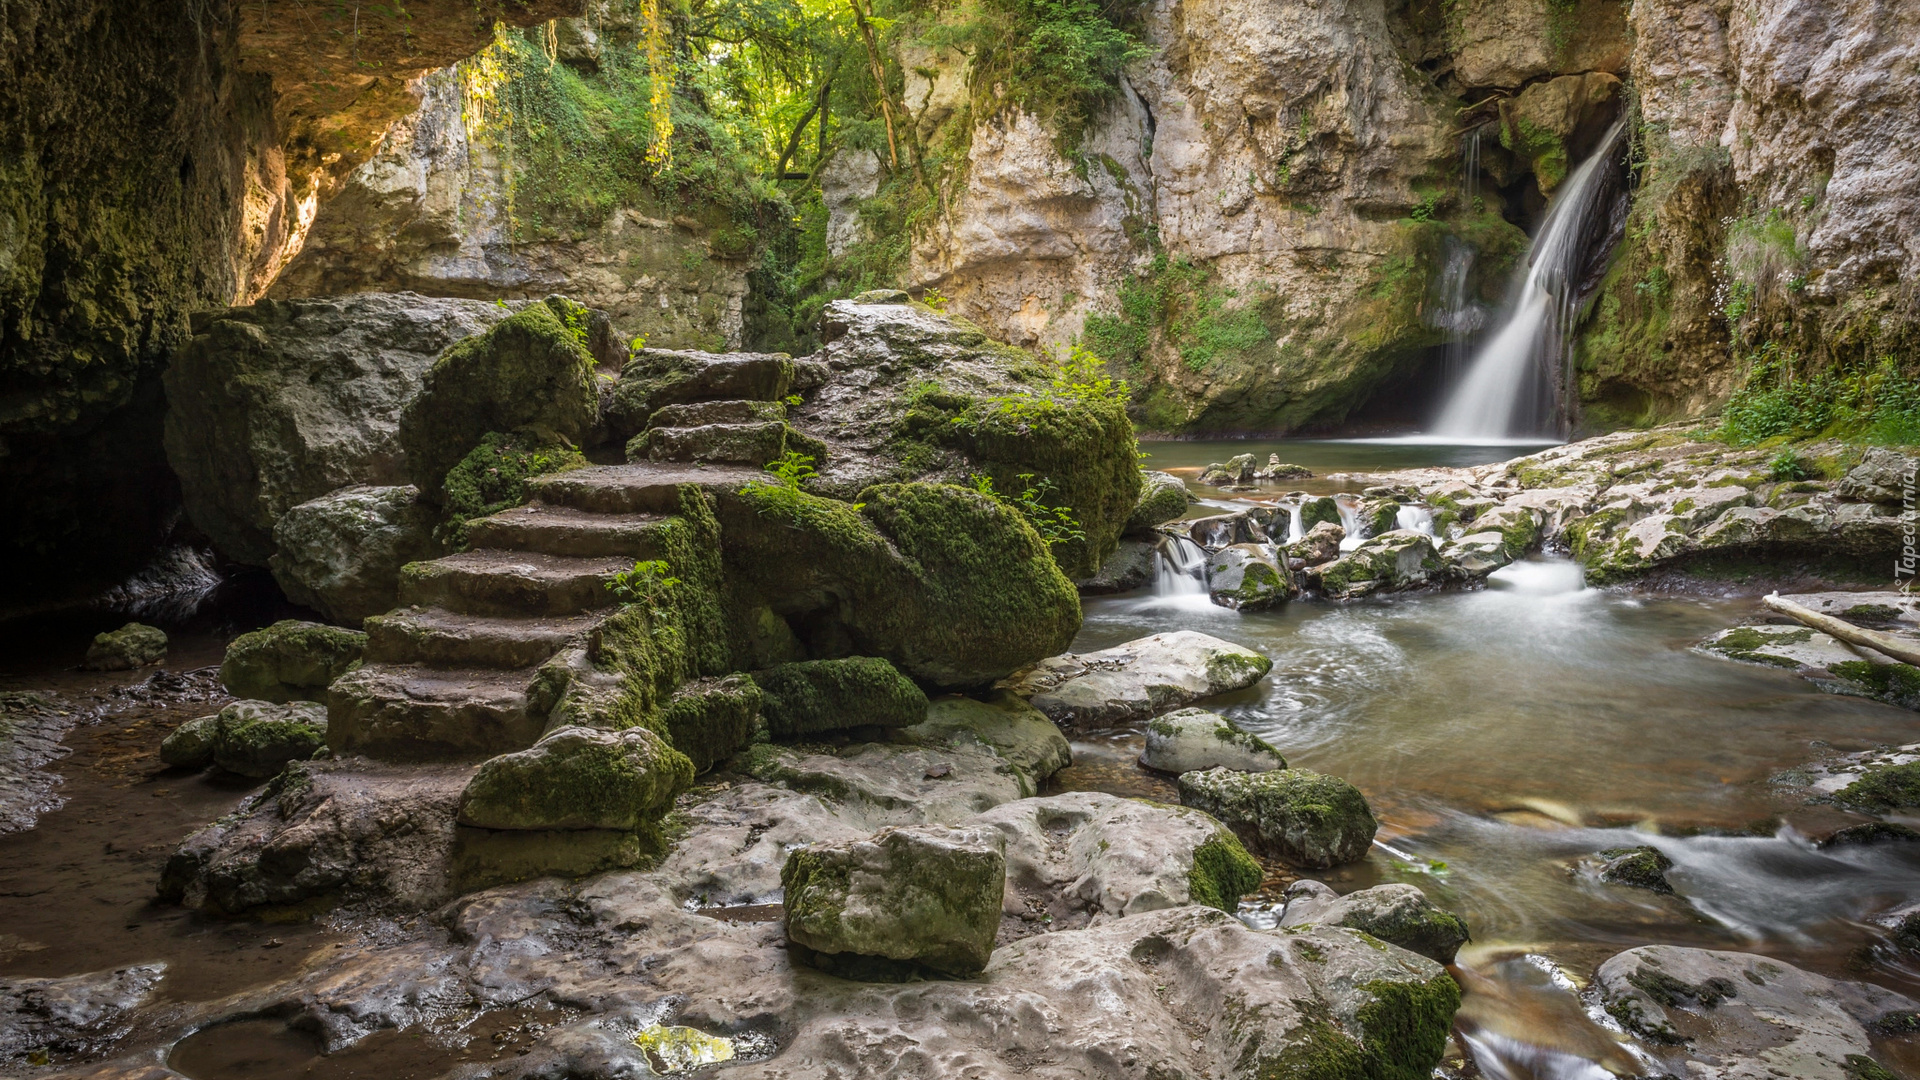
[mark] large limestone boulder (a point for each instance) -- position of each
(710, 719)
(1140, 679)
(1793, 647)
(814, 696)
(1080, 858)
(1190, 740)
(532, 372)
(1883, 476)
(655, 380)
(1748, 1017)
(272, 405)
(951, 586)
(1307, 818)
(916, 394)
(578, 778)
(1399, 913)
(1005, 724)
(258, 738)
(341, 554)
(290, 661)
(924, 894)
(1131, 566)
(134, 645)
(190, 746)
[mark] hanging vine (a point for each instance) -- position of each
(653, 46)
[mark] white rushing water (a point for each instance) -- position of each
(1511, 386)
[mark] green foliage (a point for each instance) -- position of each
(1179, 300)
(1057, 59)
(1055, 524)
(1786, 465)
(1781, 398)
(494, 477)
(780, 492)
(648, 583)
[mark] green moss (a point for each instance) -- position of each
(1404, 1031)
(710, 720)
(831, 695)
(1897, 683)
(953, 587)
(1862, 1067)
(531, 372)
(493, 477)
(578, 778)
(1222, 872)
(1641, 867)
(1882, 788)
(290, 661)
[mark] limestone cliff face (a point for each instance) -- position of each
(1782, 203)
(1255, 225)
(433, 212)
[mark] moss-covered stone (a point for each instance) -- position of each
(290, 661)
(1222, 872)
(578, 778)
(258, 738)
(134, 645)
(1895, 683)
(493, 477)
(1882, 788)
(1641, 867)
(1307, 818)
(1403, 1031)
(952, 586)
(709, 720)
(531, 372)
(926, 894)
(1189, 740)
(1163, 498)
(1245, 577)
(832, 695)
(190, 746)
(1315, 511)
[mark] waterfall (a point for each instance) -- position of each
(1349, 508)
(1294, 532)
(1415, 518)
(1513, 387)
(1454, 310)
(1179, 568)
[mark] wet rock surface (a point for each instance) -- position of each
(1137, 680)
(1189, 740)
(1306, 818)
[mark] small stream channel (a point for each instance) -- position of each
(1504, 735)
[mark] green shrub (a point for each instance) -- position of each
(1781, 398)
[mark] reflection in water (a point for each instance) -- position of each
(1506, 735)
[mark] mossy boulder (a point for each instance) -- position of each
(258, 738)
(952, 586)
(578, 778)
(1191, 740)
(1398, 914)
(927, 895)
(1245, 577)
(1163, 498)
(1306, 818)
(1882, 788)
(531, 372)
(190, 746)
(813, 696)
(1641, 867)
(1320, 544)
(1005, 724)
(290, 661)
(1315, 511)
(1401, 559)
(709, 720)
(134, 645)
(493, 477)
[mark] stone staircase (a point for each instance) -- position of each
(452, 673)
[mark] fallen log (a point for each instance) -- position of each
(1902, 649)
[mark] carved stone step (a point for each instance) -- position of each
(526, 584)
(641, 487)
(746, 444)
(565, 531)
(447, 639)
(404, 712)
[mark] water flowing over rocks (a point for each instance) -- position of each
(1137, 680)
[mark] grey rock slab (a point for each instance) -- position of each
(1137, 680)
(1187, 740)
